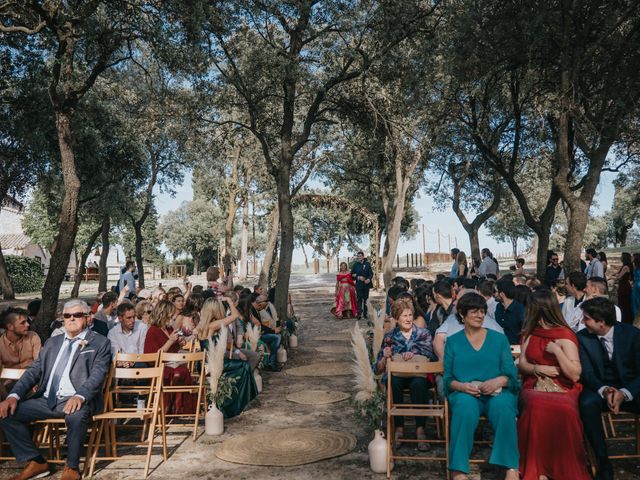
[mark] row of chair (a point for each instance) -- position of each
(439, 411)
(120, 384)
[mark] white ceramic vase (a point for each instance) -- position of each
(214, 421)
(293, 341)
(282, 355)
(258, 379)
(378, 453)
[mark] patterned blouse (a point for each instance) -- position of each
(419, 343)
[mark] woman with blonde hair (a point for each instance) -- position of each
(162, 337)
(461, 261)
(143, 311)
(238, 363)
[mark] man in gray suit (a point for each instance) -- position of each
(68, 375)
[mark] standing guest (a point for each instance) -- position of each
(454, 265)
(623, 279)
(463, 268)
(213, 275)
(68, 375)
(162, 337)
(549, 428)
(362, 274)
(610, 358)
(519, 270)
(143, 311)
(403, 343)
(553, 269)
(474, 271)
(128, 279)
(509, 311)
(19, 347)
(480, 379)
(129, 334)
(605, 264)
(576, 288)
(595, 267)
(489, 265)
(635, 292)
(345, 294)
(107, 314)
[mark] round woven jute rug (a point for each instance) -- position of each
(286, 447)
(329, 369)
(333, 349)
(317, 397)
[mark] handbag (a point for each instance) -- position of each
(546, 384)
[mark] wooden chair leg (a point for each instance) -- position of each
(94, 453)
(163, 430)
(612, 425)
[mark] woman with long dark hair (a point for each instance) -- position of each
(624, 281)
(549, 427)
(635, 293)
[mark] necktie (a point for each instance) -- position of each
(57, 375)
(603, 344)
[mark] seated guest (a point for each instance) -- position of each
(426, 304)
(143, 311)
(268, 314)
(403, 343)
(576, 286)
(270, 336)
(129, 334)
(443, 296)
(33, 307)
(106, 316)
(487, 290)
(161, 336)
(177, 298)
(519, 270)
(213, 318)
(19, 347)
(597, 287)
(188, 319)
(509, 311)
(68, 375)
(480, 379)
(549, 428)
(610, 358)
(213, 274)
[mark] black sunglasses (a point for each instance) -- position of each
(74, 315)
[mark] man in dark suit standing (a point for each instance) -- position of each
(610, 358)
(362, 273)
(69, 375)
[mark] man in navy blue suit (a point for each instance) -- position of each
(362, 274)
(610, 358)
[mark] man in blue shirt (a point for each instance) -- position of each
(509, 312)
(127, 278)
(454, 266)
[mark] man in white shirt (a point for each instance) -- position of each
(128, 335)
(486, 288)
(488, 266)
(595, 267)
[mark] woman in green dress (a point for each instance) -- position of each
(480, 379)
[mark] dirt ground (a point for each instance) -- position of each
(313, 297)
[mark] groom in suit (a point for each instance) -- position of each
(610, 358)
(68, 375)
(362, 273)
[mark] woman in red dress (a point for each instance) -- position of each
(346, 306)
(549, 428)
(161, 336)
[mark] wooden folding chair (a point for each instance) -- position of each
(8, 374)
(198, 388)
(153, 409)
(439, 412)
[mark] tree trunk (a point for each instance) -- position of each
(67, 226)
(103, 268)
(244, 242)
(286, 242)
(394, 223)
(83, 261)
(306, 259)
(263, 279)
(514, 246)
(139, 258)
(575, 234)
(474, 240)
(5, 281)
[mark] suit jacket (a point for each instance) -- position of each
(362, 270)
(89, 367)
(626, 355)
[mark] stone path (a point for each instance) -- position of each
(313, 297)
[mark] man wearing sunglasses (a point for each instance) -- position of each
(68, 375)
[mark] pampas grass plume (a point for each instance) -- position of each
(215, 359)
(364, 381)
(253, 335)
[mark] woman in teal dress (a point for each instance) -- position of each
(480, 379)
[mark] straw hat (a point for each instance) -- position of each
(330, 369)
(317, 397)
(286, 447)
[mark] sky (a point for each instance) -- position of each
(446, 221)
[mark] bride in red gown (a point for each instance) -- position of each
(345, 304)
(549, 427)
